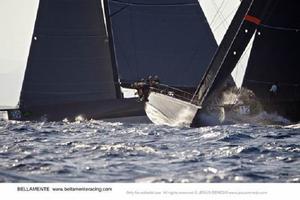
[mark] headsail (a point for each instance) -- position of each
(219, 14)
(168, 38)
(17, 19)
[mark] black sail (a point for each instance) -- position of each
(275, 59)
(168, 38)
(69, 61)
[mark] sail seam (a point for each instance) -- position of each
(268, 83)
(217, 13)
(144, 4)
(280, 28)
(70, 35)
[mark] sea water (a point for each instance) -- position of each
(98, 151)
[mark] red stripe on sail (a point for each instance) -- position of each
(253, 19)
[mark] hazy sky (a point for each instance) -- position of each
(17, 18)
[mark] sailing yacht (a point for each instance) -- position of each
(61, 59)
(256, 20)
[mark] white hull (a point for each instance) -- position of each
(166, 110)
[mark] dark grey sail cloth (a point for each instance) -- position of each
(275, 53)
(274, 59)
(168, 38)
(231, 48)
(69, 61)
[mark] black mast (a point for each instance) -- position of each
(237, 37)
(112, 49)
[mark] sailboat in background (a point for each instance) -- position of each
(61, 59)
(68, 69)
(251, 15)
(275, 60)
(76, 55)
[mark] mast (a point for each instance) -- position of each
(241, 30)
(111, 47)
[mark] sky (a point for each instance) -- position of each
(17, 18)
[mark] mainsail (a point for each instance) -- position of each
(69, 70)
(275, 54)
(168, 38)
(69, 59)
(275, 60)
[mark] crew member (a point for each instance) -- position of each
(150, 80)
(273, 90)
(156, 81)
(142, 88)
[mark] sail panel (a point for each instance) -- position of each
(17, 19)
(238, 73)
(219, 14)
(275, 53)
(168, 38)
(69, 59)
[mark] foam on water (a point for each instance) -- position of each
(97, 151)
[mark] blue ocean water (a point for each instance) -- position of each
(97, 151)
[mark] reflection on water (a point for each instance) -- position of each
(97, 151)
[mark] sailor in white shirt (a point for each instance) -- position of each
(273, 90)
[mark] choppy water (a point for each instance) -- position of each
(97, 151)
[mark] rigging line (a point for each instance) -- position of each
(224, 19)
(280, 28)
(39, 35)
(118, 11)
(268, 83)
(217, 13)
(162, 5)
(219, 25)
